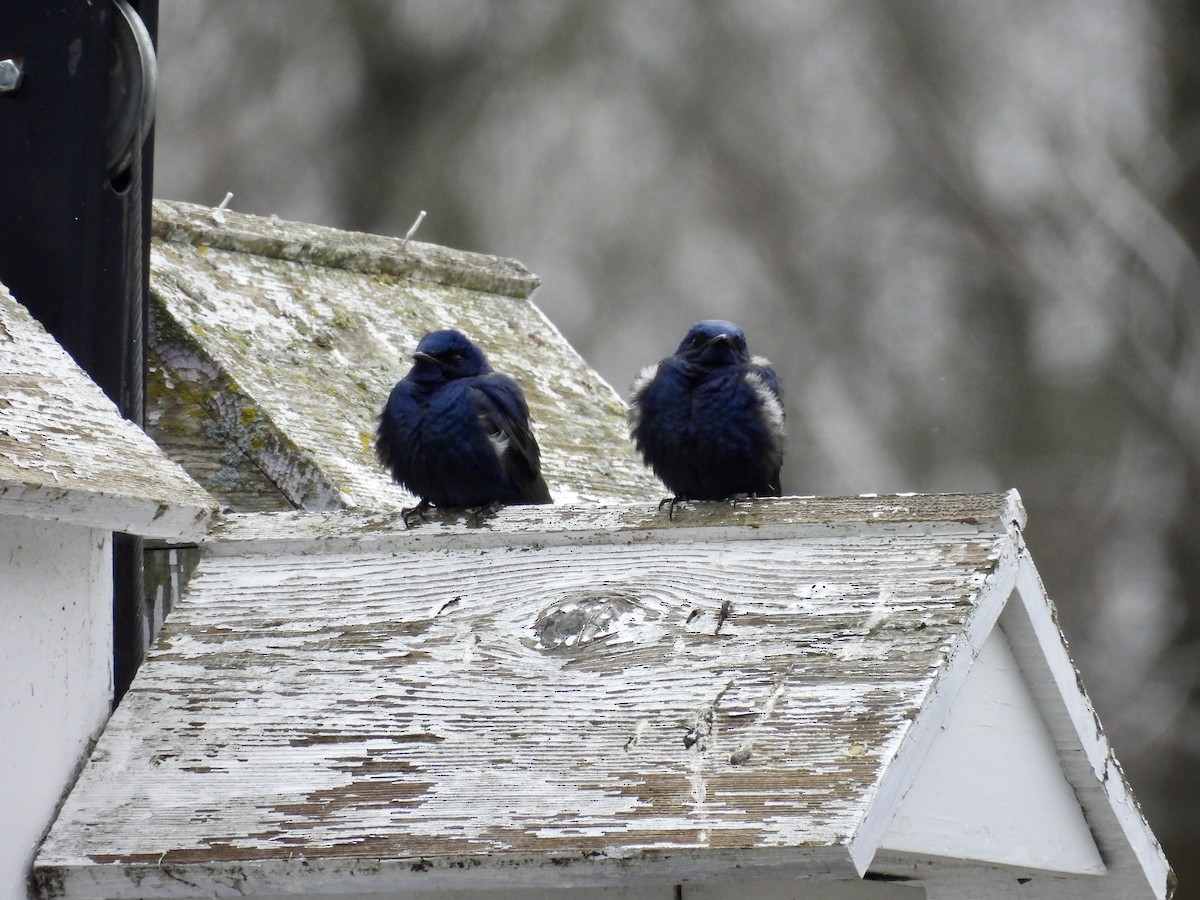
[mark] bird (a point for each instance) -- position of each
(457, 434)
(709, 420)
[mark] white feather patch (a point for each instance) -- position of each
(635, 395)
(770, 409)
(499, 441)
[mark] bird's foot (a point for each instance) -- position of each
(735, 499)
(479, 513)
(414, 512)
(670, 502)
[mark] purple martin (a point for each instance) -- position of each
(709, 420)
(457, 434)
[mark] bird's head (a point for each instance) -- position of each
(714, 342)
(446, 355)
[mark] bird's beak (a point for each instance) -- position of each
(422, 356)
(718, 339)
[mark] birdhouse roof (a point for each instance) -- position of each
(551, 697)
(274, 345)
(67, 454)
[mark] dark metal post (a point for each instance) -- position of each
(75, 217)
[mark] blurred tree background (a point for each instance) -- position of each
(965, 233)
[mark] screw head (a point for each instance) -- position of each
(10, 75)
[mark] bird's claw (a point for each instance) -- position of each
(732, 500)
(671, 507)
(479, 513)
(414, 512)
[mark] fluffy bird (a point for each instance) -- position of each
(456, 433)
(709, 420)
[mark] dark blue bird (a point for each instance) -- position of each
(456, 433)
(709, 420)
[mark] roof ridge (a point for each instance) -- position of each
(269, 236)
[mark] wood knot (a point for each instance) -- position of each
(583, 618)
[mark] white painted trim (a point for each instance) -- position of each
(1072, 720)
(56, 648)
(1136, 868)
(992, 788)
(897, 776)
(110, 512)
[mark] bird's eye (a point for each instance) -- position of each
(456, 358)
(695, 340)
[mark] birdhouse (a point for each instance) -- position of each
(819, 697)
(72, 471)
(827, 698)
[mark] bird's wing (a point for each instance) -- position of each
(500, 407)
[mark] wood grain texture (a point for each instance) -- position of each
(66, 453)
(680, 702)
(285, 339)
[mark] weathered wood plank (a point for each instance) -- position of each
(660, 705)
(66, 453)
(289, 338)
(315, 245)
(788, 517)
